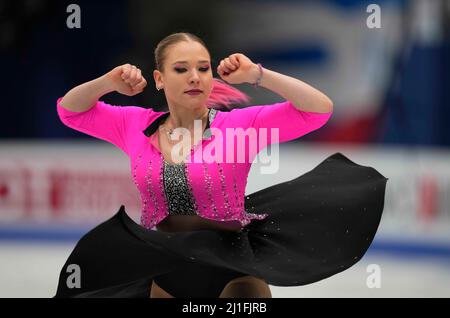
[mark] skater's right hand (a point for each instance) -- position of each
(126, 79)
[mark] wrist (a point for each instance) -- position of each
(257, 74)
(105, 84)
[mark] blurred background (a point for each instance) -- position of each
(388, 85)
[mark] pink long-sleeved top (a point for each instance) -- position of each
(217, 185)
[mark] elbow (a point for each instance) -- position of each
(328, 104)
(63, 113)
(325, 106)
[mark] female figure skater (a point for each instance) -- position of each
(200, 236)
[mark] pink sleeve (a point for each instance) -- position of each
(104, 121)
(290, 122)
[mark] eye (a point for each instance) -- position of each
(180, 70)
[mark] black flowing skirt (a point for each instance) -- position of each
(319, 224)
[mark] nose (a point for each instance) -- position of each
(195, 78)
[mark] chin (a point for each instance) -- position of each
(195, 101)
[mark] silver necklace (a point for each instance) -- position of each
(169, 131)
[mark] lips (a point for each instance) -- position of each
(194, 91)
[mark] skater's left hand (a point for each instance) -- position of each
(237, 69)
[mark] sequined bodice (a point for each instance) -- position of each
(180, 199)
(179, 196)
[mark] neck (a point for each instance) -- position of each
(181, 117)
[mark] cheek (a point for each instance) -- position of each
(208, 84)
(176, 87)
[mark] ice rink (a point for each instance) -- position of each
(413, 256)
(380, 67)
(31, 270)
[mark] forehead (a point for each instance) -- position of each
(189, 52)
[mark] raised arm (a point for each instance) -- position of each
(237, 69)
(81, 109)
(304, 110)
(125, 79)
(302, 95)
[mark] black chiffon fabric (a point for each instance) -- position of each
(319, 224)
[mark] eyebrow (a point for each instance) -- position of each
(186, 62)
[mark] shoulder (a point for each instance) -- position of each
(139, 115)
(240, 116)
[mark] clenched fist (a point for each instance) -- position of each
(127, 79)
(238, 68)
